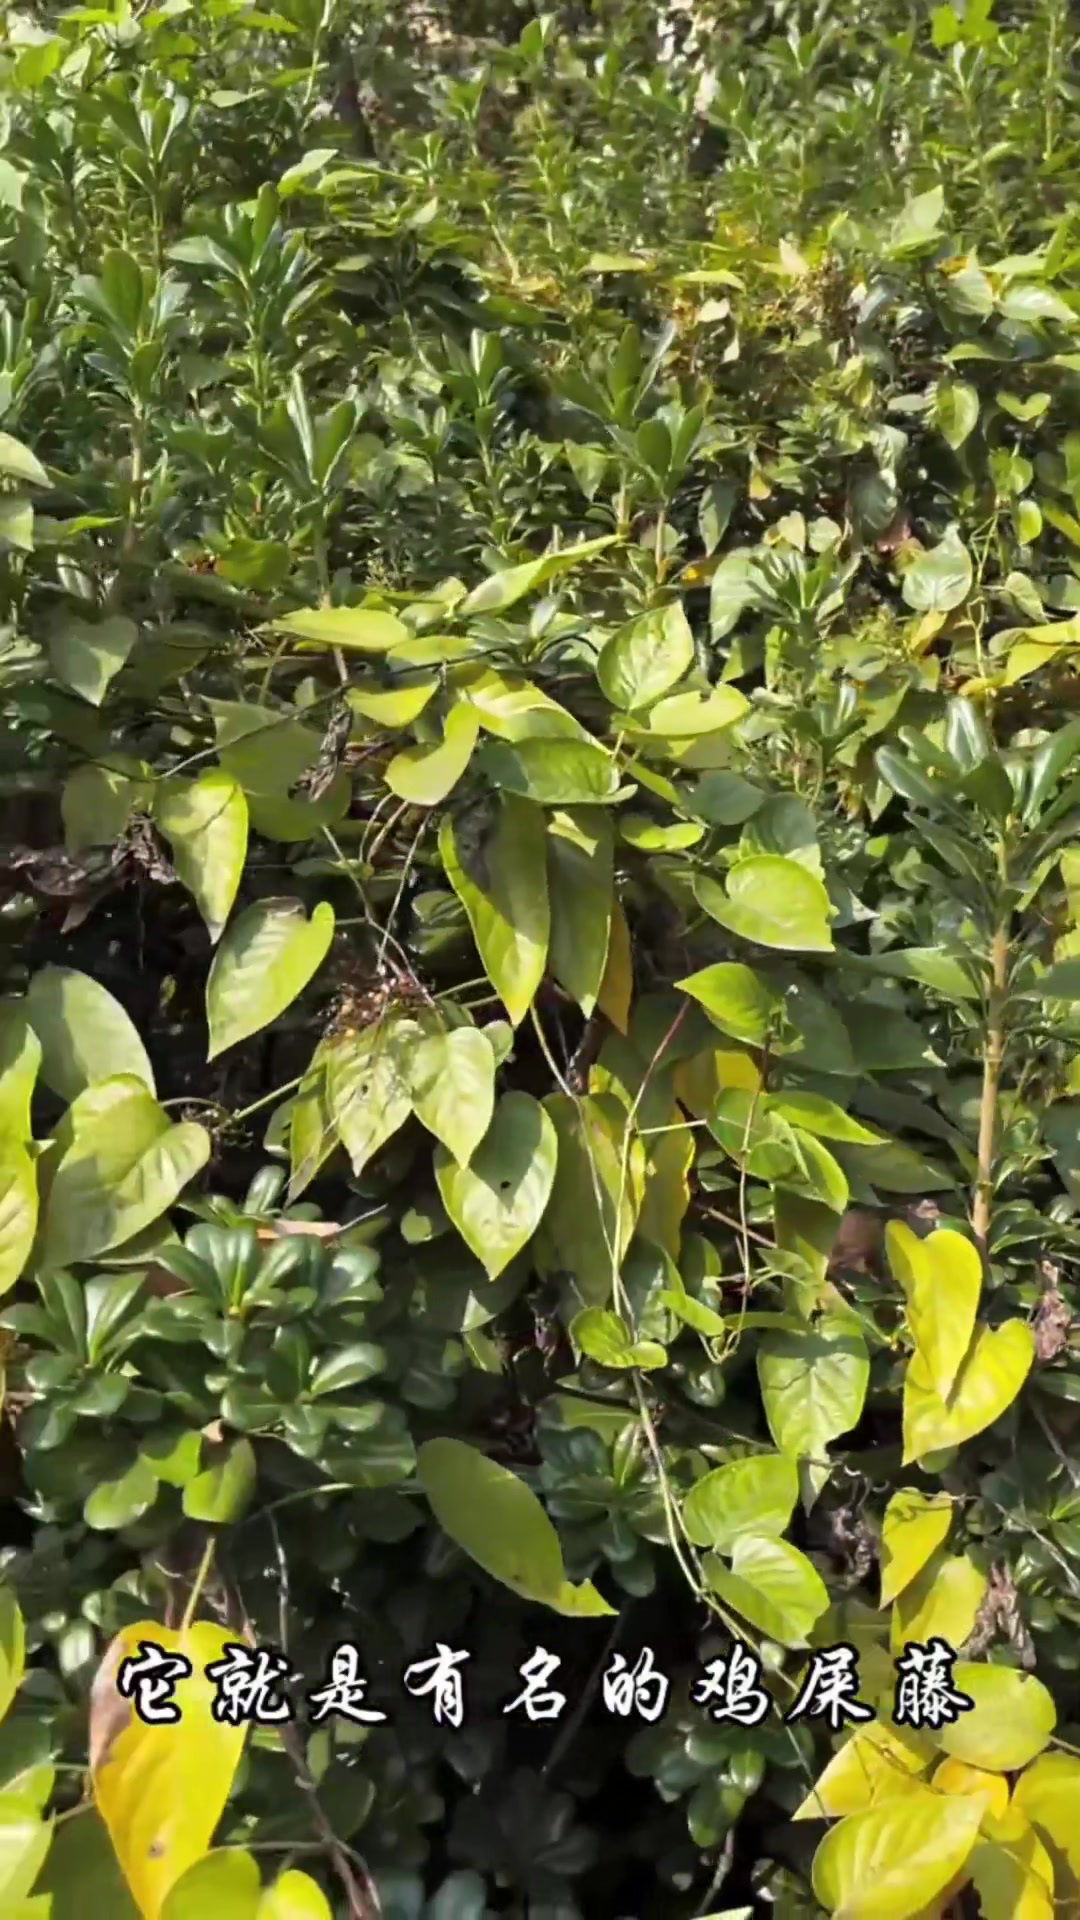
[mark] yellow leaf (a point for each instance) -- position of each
(667, 1186)
(1048, 1795)
(876, 1762)
(956, 1776)
(942, 1601)
(425, 774)
(617, 985)
(992, 1375)
(1034, 647)
(892, 1860)
(1011, 1870)
(699, 1079)
(942, 1280)
(915, 1525)
(1012, 1719)
(161, 1789)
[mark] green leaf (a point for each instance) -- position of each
(772, 1585)
(24, 1842)
(206, 824)
(915, 1525)
(12, 1648)
(114, 1504)
(97, 803)
(644, 659)
(225, 1883)
(814, 1114)
(20, 1059)
(918, 221)
(992, 1374)
(495, 1518)
(756, 1495)
(120, 1165)
(294, 1896)
(597, 1193)
(688, 716)
(18, 1209)
(956, 411)
(86, 656)
(424, 775)
(452, 1087)
(1012, 1720)
(554, 771)
(18, 463)
(580, 861)
(602, 1336)
(889, 1862)
(497, 1202)
(502, 884)
(503, 590)
(352, 629)
(85, 1034)
(223, 1492)
(266, 959)
(368, 1092)
(813, 1385)
(1011, 1871)
(942, 1281)
(771, 900)
(940, 578)
(739, 1001)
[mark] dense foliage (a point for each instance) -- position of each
(540, 932)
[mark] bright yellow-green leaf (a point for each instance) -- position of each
(18, 1209)
(223, 1491)
(294, 1896)
(1011, 1870)
(771, 900)
(85, 1034)
(452, 1086)
(664, 1204)
(24, 1842)
(512, 708)
(876, 1762)
(353, 629)
(504, 589)
(943, 1600)
(502, 884)
(956, 1776)
(393, 707)
(424, 775)
(161, 1789)
(1033, 647)
(268, 956)
(1012, 1719)
(997, 1364)
(683, 716)
(225, 1884)
(645, 658)
(119, 1163)
(498, 1200)
(755, 1495)
(772, 1585)
(206, 824)
(604, 1337)
(737, 999)
(12, 1647)
(813, 1385)
(1048, 1795)
(915, 1525)
(20, 1058)
(942, 1280)
(891, 1860)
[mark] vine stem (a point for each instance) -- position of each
(993, 1053)
(201, 1578)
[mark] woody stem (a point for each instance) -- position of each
(201, 1578)
(993, 1052)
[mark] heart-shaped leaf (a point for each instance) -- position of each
(997, 1364)
(498, 1200)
